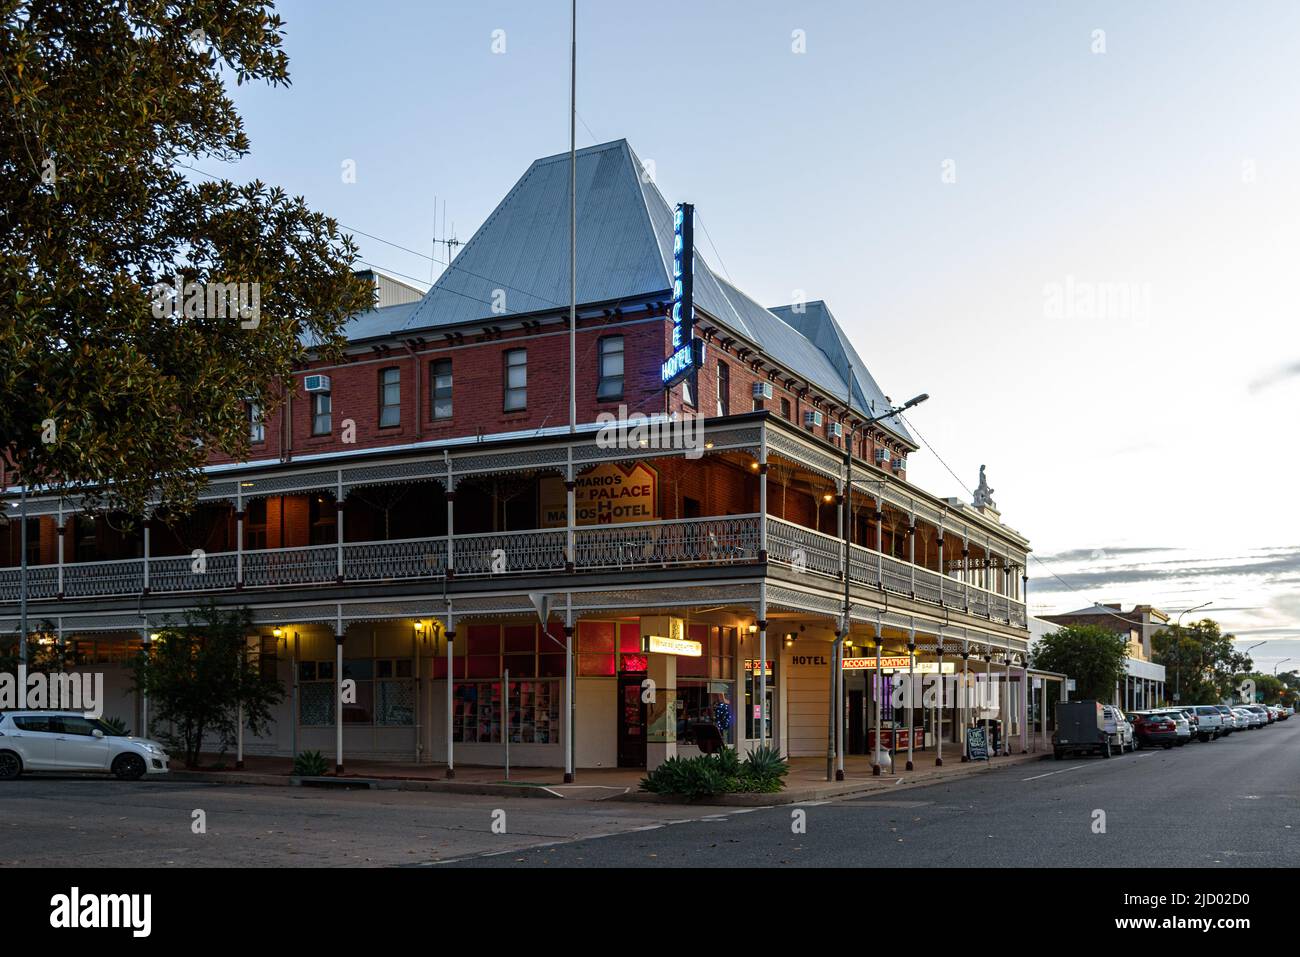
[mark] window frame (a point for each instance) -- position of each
(507, 390)
(724, 389)
(603, 394)
(434, 388)
(384, 405)
(317, 414)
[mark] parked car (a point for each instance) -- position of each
(1157, 729)
(1229, 719)
(1209, 723)
(1250, 716)
(1262, 711)
(69, 741)
(1181, 723)
(1119, 728)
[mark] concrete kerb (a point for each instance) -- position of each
(793, 795)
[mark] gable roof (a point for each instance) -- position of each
(518, 262)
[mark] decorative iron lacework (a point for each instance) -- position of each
(508, 461)
(71, 623)
(376, 611)
(804, 455)
(297, 482)
(390, 472)
(795, 600)
(657, 599)
(496, 605)
(299, 614)
(216, 491)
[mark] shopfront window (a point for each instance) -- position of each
(316, 693)
(703, 703)
(531, 716)
(394, 692)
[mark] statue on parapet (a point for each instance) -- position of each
(984, 494)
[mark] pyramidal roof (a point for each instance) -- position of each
(518, 263)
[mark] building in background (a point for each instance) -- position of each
(1143, 685)
(405, 512)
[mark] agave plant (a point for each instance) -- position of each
(310, 764)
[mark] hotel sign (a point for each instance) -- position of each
(687, 352)
(666, 635)
(658, 645)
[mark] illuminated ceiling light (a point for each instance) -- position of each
(277, 632)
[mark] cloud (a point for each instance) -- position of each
(1273, 378)
(1278, 562)
(1089, 554)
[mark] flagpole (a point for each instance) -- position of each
(573, 220)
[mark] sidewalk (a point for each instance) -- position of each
(806, 781)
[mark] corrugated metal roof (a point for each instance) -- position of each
(519, 258)
(815, 321)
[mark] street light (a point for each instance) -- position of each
(835, 751)
(1278, 665)
(1178, 629)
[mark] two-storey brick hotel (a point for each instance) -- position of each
(405, 513)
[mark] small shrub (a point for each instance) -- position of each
(310, 764)
(707, 775)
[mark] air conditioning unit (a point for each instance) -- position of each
(835, 430)
(882, 456)
(762, 390)
(316, 383)
(812, 419)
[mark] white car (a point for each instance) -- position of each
(1119, 729)
(1245, 714)
(69, 741)
(1209, 722)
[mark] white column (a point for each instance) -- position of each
(762, 494)
(877, 689)
(570, 695)
(762, 663)
(963, 702)
(338, 528)
(338, 701)
(451, 687)
(911, 674)
(939, 687)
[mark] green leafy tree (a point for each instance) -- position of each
(1201, 662)
(103, 106)
(198, 675)
(1093, 656)
(1269, 689)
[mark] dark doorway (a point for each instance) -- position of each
(631, 722)
(857, 739)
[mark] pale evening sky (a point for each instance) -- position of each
(956, 181)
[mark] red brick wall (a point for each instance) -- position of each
(478, 375)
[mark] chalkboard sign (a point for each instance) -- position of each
(977, 746)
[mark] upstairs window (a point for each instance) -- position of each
(611, 368)
(516, 380)
(390, 397)
(256, 427)
(724, 389)
(785, 409)
(320, 413)
(440, 383)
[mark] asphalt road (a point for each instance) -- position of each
(1232, 802)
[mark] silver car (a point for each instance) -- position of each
(69, 741)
